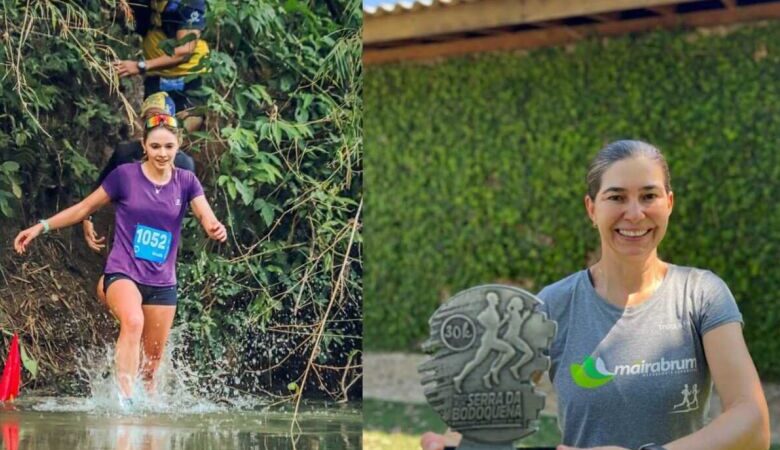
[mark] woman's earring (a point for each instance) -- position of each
(594, 225)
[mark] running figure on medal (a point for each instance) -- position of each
(505, 346)
(476, 336)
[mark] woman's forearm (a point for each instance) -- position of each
(211, 225)
(70, 216)
(744, 426)
(202, 211)
(207, 218)
(80, 210)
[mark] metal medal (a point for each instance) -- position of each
(485, 345)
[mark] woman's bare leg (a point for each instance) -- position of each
(101, 294)
(125, 302)
(158, 320)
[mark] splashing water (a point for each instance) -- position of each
(189, 410)
(178, 387)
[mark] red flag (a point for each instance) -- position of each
(10, 435)
(12, 372)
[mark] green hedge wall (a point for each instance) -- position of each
(475, 168)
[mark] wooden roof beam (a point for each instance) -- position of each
(665, 10)
(549, 24)
(470, 16)
(559, 36)
(493, 31)
(605, 17)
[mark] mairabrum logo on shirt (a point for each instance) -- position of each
(591, 374)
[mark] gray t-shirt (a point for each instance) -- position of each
(632, 376)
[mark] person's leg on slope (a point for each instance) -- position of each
(192, 123)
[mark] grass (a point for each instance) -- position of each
(398, 426)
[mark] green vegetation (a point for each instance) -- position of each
(393, 425)
(280, 159)
(476, 169)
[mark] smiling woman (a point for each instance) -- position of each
(640, 341)
(629, 201)
(629, 198)
(160, 147)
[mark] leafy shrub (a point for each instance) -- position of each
(280, 159)
(476, 169)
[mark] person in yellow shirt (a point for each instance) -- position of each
(177, 74)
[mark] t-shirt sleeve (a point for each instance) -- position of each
(544, 296)
(192, 15)
(194, 188)
(718, 304)
(556, 297)
(113, 184)
(554, 300)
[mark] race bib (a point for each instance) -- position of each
(151, 244)
(171, 84)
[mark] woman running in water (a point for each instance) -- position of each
(140, 275)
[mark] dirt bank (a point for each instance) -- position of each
(48, 297)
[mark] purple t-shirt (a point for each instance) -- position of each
(148, 223)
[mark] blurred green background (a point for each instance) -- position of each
(476, 169)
